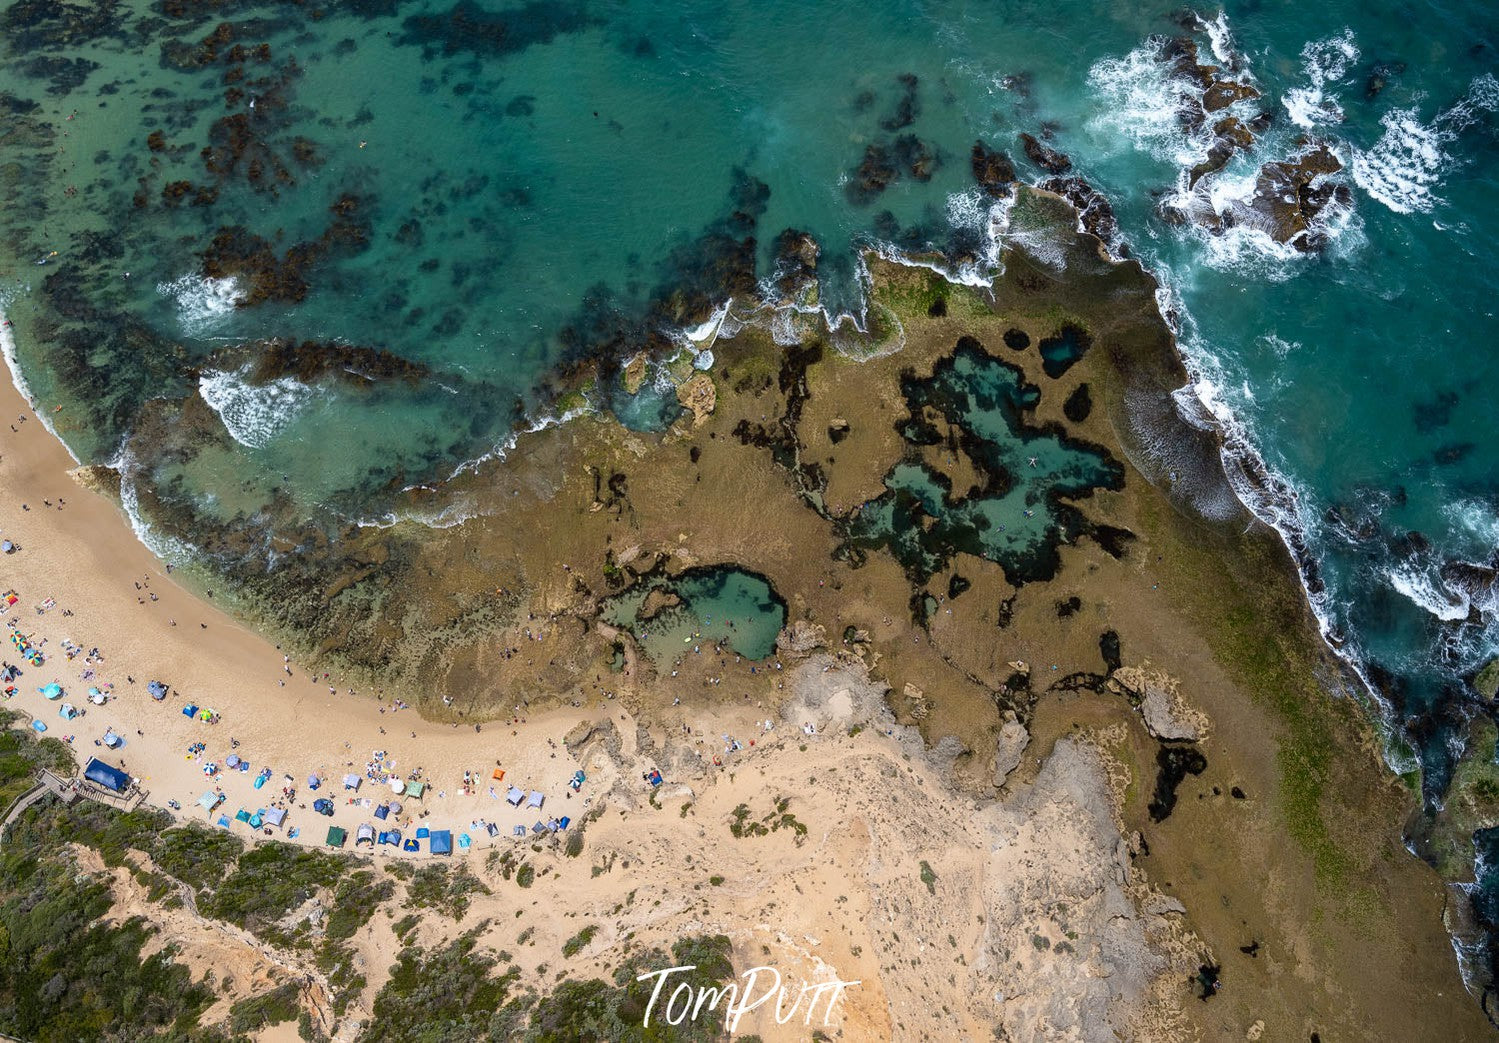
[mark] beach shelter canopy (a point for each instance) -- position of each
(209, 800)
(411, 845)
(391, 837)
(422, 832)
(189, 710)
(242, 815)
(111, 740)
(499, 773)
(7, 546)
(464, 841)
(158, 690)
(441, 842)
(336, 836)
(363, 833)
(563, 822)
(395, 807)
(51, 691)
(515, 796)
(323, 806)
(415, 789)
(313, 782)
(536, 799)
(274, 816)
(106, 775)
(397, 786)
(67, 711)
(232, 760)
(352, 781)
(383, 811)
(519, 831)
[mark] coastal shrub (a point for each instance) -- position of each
(574, 846)
(928, 877)
(434, 887)
(64, 974)
(594, 1009)
(269, 881)
(577, 942)
(269, 1008)
(197, 856)
(354, 902)
(525, 875)
(443, 995)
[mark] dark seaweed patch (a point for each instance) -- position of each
(1078, 405)
(467, 27)
(1061, 352)
(1175, 764)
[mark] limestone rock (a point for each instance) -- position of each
(658, 600)
(98, 478)
(801, 637)
(698, 397)
(1154, 694)
(634, 373)
(1013, 739)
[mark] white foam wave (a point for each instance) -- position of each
(1425, 588)
(1406, 166)
(255, 414)
(203, 304)
(13, 364)
(1324, 62)
(1139, 102)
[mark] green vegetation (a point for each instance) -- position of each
(269, 881)
(525, 875)
(354, 902)
(576, 943)
(21, 757)
(65, 976)
(269, 1008)
(447, 995)
(435, 887)
(928, 877)
(741, 825)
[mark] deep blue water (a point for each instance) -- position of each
(486, 190)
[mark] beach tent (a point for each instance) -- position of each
(106, 775)
(491, 828)
(232, 760)
(411, 845)
(323, 806)
(242, 815)
(336, 836)
(223, 821)
(255, 820)
(519, 831)
(397, 786)
(540, 827)
(209, 801)
(365, 834)
(395, 807)
(313, 782)
(499, 774)
(654, 778)
(391, 837)
(189, 710)
(464, 841)
(563, 822)
(96, 697)
(382, 812)
(67, 711)
(415, 789)
(274, 816)
(515, 796)
(536, 799)
(158, 690)
(39, 726)
(7, 546)
(552, 825)
(422, 832)
(441, 842)
(52, 691)
(111, 739)
(352, 781)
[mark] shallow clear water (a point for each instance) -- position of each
(711, 605)
(527, 179)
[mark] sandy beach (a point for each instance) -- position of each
(110, 593)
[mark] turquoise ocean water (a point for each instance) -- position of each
(488, 189)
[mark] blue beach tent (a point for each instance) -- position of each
(411, 845)
(106, 775)
(422, 832)
(158, 690)
(441, 842)
(391, 837)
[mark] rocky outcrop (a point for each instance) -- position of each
(1289, 195)
(1155, 695)
(698, 397)
(992, 170)
(1094, 214)
(801, 638)
(633, 374)
(657, 601)
(1044, 156)
(1013, 739)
